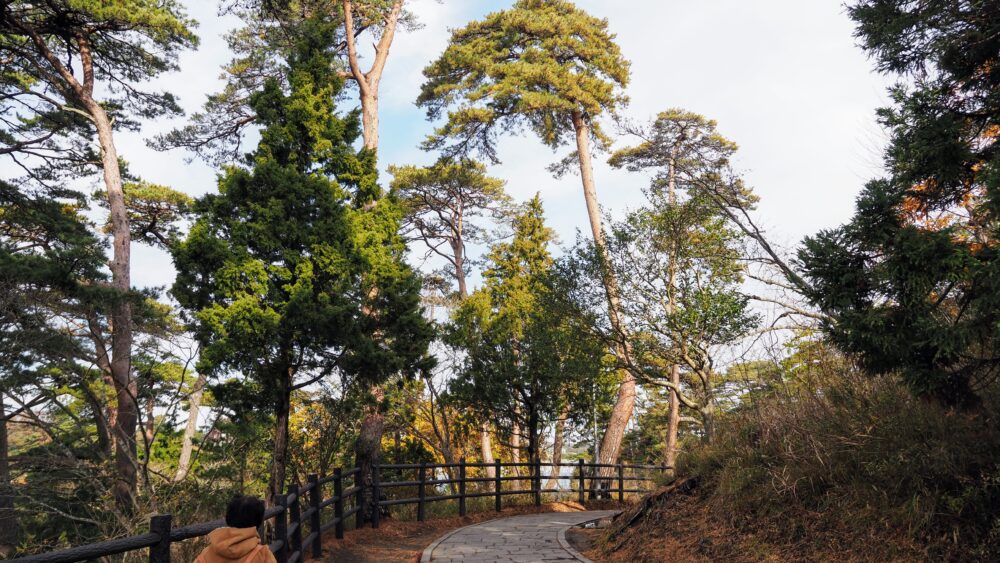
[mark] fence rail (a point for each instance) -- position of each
(302, 508)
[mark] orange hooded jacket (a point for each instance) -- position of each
(235, 545)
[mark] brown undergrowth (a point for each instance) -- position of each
(852, 470)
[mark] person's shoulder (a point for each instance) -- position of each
(262, 555)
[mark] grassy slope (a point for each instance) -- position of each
(856, 470)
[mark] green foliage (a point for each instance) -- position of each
(911, 281)
(679, 259)
(130, 42)
(442, 204)
(526, 353)
(534, 65)
(294, 271)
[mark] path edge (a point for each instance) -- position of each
(425, 556)
(565, 542)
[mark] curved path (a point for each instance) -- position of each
(530, 537)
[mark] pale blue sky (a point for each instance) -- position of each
(783, 78)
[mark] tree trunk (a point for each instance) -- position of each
(368, 82)
(708, 410)
(557, 446)
(368, 451)
(674, 420)
(10, 528)
(187, 441)
(279, 451)
(459, 257)
(149, 428)
(533, 455)
(369, 121)
(487, 448)
(625, 402)
(126, 388)
(105, 442)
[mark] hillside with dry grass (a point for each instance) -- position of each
(858, 471)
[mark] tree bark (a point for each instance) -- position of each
(486, 445)
(457, 248)
(126, 387)
(368, 452)
(187, 441)
(368, 82)
(625, 401)
(10, 528)
(674, 418)
(279, 451)
(369, 121)
(557, 446)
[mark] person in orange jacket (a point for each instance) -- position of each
(238, 542)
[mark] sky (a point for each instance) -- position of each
(784, 79)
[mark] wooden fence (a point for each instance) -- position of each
(307, 508)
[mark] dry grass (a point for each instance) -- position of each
(856, 470)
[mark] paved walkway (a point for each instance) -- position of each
(531, 537)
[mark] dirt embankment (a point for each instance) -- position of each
(676, 524)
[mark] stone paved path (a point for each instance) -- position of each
(527, 538)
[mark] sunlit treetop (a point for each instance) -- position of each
(532, 66)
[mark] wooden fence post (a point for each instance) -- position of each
(421, 492)
(496, 483)
(315, 522)
(281, 528)
(160, 553)
(582, 488)
(536, 482)
(338, 504)
(295, 516)
(376, 496)
(461, 487)
(621, 482)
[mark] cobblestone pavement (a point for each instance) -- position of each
(527, 538)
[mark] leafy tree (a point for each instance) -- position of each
(441, 203)
(910, 283)
(521, 351)
(686, 155)
(48, 257)
(57, 55)
(216, 134)
(550, 67)
(291, 274)
(679, 262)
(680, 269)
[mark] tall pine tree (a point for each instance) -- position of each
(912, 282)
(294, 270)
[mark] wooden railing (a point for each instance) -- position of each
(303, 509)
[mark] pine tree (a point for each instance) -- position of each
(291, 274)
(911, 283)
(58, 57)
(687, 157)
(523, 353)
(547, 66)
